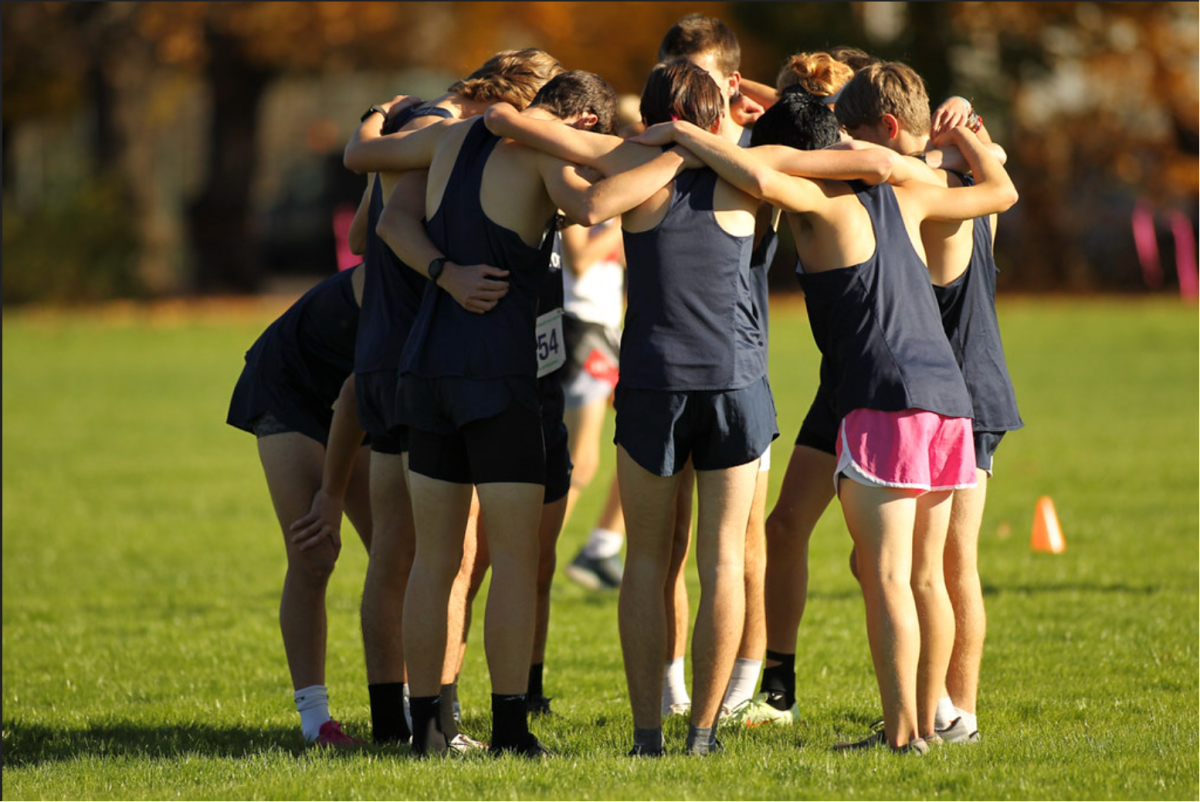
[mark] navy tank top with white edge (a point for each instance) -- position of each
(296, 367)
(391, 289)
(877, 324)
(691, 321)
(968, 306)
(447, 340)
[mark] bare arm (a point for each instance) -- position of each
(324, 518)
(764, 95)
(369, 150)
(584, 246)
(589, 204)
(476, 288)
(608, 154)
(992, 193)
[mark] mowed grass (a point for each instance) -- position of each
(142, 567)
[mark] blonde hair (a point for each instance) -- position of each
(819, 74)
(511, 76)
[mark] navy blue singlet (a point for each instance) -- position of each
(968, 306)
(878, 325)
(690, 322)
(296, 367)
(760, 266)
(391, 289)
(447, 340)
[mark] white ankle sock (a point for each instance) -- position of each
(312, 703)
(603, 543)
(742, 682)
(674, 684)
(945, 715)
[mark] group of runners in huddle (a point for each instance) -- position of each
(420, 393)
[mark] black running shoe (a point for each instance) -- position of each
(539, 706)
(531, 748)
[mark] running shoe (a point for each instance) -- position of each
(917, 746)
(463, 743)
(531, 748)
(538, 706)
(331, 734)
(758, 711)
(596, 573)
(957, 733)
(677, 709)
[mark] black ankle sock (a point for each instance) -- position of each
(387, 712)
(446, 710)
(779, 682)
(535, 681)
(428, 737)
(510, 723)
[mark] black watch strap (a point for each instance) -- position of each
(435, 269)
(373, 110)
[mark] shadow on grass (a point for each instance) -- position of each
(1070, 587)
(29, 745)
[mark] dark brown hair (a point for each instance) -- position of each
(679, 90)
(577, 92)
(697, 34)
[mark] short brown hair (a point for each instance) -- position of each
(679, 90)
(578, 92)
(697, 34)
(888, 87)
(819, 73)
(852, 57)
(511, 76)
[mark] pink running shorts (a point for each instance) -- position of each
(914, 449)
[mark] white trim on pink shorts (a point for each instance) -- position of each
(913, 449)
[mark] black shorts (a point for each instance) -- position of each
(376, 398)
(717, 429)
(986, 444)
(558, 459)
(820, 427)
(504, 448)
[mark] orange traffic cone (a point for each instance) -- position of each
(1047, 534)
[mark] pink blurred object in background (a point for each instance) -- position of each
(343, 216)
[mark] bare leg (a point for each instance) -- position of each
(440, 512)
(458, 610)
(292, 464)
(806, 491)
(754, 632)
(678, 613)
(511, 511)
(584, 425)
(966, 594)
(642, 613)
(881, 521)
(392, 551)
(548, 531)
(725, 498)
(934, 612)
(612, 517)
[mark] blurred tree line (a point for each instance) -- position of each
(143, 143)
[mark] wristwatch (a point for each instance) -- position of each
(435, 268)
(374, 109)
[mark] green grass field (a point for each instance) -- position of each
(142, 568)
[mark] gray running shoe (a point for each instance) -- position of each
(596, 573)
(917, 746)
(957, 733)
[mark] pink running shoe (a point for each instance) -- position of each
(331, 734)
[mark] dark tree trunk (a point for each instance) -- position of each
(222, 238)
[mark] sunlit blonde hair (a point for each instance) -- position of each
(511, 76)
(887, 87)
(819, 74)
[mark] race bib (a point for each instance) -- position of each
(551, 353)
